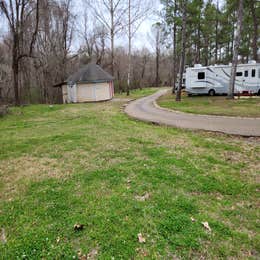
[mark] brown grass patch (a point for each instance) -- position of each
(15, 172)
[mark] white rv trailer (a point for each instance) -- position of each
(215, 79)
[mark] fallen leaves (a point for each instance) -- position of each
(58, 239)
(78, 227)
(90, 256)
(192, 219)
(141, 239)
(81, 256)
(206, 226)
(142, 252)
(3, 236)
(144, 197)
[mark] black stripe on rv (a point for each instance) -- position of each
(226, 73)
(210, 70)
(205, 81)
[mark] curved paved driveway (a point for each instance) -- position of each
(145, 109)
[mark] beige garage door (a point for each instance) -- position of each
(102, 91)
(86, 93)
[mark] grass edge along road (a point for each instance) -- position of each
(217, 105)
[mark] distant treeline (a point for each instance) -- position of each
(36, 53)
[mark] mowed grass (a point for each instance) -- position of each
(92, 165)
(218, 105)
(137, 93)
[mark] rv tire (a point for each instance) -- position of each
(258, 93)
(212, 92)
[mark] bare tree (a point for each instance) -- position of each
(137, 13)
(145, 55)
(19, 15)
(110, 13)
(94, 39)
(129, 48)
(174, 49)
(183, 51)
(235, 52)
(216, 31)
(53, 46)
(156, 39)
(158, 53)
(256, 20)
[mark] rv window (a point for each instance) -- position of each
(239, 74)
(253, 73)
(201, 75)
(246, 73)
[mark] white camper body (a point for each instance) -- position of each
(215, 79)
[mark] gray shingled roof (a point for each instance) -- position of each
(91, 73)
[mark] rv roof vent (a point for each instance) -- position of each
(252, 62)
(197, 65)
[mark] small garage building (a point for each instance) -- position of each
(89, 84)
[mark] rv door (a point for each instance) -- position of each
(240, 81)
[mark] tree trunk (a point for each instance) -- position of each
(174, 50)
(112, 34)
(235, 53)
(16, 82)
(119, 82)
(207, 51)
(197, 57)
(255, 34)
(129, 49)
(15, 68)
(183, 51)
(143, 72)
(216, 34)
(232, 41)
(157, 80)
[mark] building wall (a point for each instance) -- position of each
(91, 92)
(64, 94)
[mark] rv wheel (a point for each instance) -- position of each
(212, 92)
(258, 93)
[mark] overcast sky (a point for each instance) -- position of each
(141, 38)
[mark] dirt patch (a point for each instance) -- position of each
(14, 172)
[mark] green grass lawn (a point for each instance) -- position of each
(137, 93)
(218, 105)
(92, 165)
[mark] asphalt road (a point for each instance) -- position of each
(146, 109)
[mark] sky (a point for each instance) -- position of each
(140, 40)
